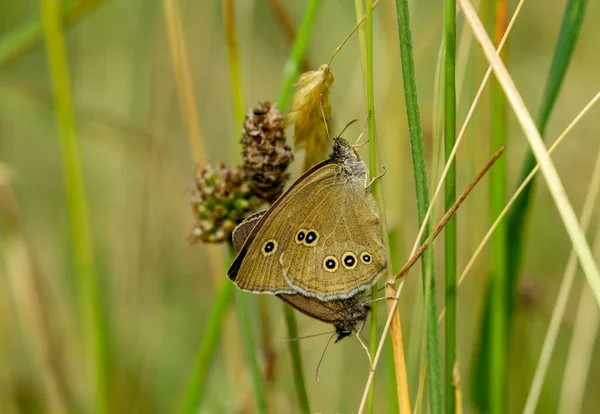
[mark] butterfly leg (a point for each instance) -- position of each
(374, 178)
(356, 144)
(362, 325)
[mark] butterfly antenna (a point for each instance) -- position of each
(308, 336)
(324, 117)
(346, 127)
(323, 354)
(362, 133)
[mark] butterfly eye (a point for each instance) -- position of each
(365, 257)
(349, 260)
(300, 236)
(269, 247)
(330, 264)
(311, 238)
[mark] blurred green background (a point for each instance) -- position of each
(157, 289)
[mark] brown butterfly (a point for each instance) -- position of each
(318, 247)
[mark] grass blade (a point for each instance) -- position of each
(296, 355)
(420, 175)
(251, 353)
(495, 377)
(90, 303)
(208, 346)
(450, 196)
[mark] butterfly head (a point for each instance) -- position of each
(347, 155)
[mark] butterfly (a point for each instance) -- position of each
(319, 246)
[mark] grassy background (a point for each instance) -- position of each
(157, 289)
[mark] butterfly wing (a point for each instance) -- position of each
(257, 267)
(335, 249)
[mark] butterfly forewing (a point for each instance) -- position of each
(257, 267)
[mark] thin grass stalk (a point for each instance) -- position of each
(296, 356)
(94, 323)
(294, 62)
(548, 169)
(365, 35)
(517, 221)
(496, 372)
(251, 353)
(581, 348)
(207, 349)
(31, 34)
(562, 299)
(420, 174)
(366, 50)
(449, 198)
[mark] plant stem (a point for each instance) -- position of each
(450, 196)
(89, 296)
(296, 355)
(498, 326)
(422, 190)
(207, 349)
(251, 354)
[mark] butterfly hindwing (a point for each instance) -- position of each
(335, 249)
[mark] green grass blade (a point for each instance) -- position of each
(296, 355)
(496, 374)
(94, 323)
(31, 34)
(251, 352)
(294, 62)
(450, 196)
(208, 346)
(421, 184)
